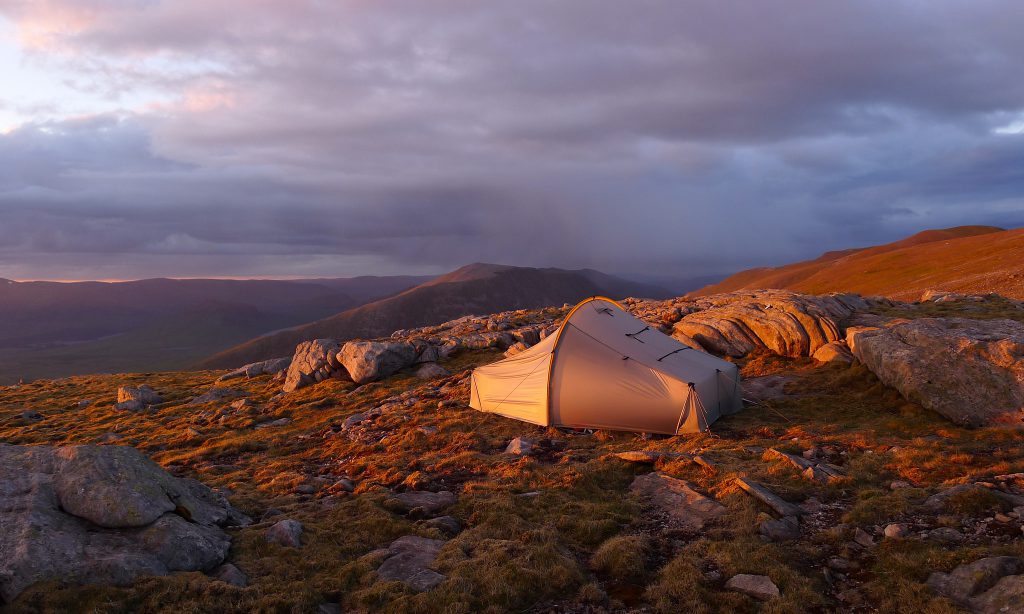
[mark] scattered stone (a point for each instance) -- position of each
(446, 524)
(810, 469)
(241, 404)
(758, 587)
(863, 538)
(946, 535)
(102, 515)
(345, 485)
(230, 574)
(520, 446)
(273, 423)
(216, 394)
(429, 502)
(897, 531)
(328, 608)
(431, 370)
(32, 416)
(777, 503)
(685, 508)
(841, 564)
(286, 532)
(898, 484)
(785, 529)
(143, 394)
(408, 560)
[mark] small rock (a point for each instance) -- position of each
(446, 524)
(328, 608)
(230, 574)
(968, 580)
(272, 423)
(863, 538)
(897, 531)
(758, 587)
(431, 370)
(898, 484)
(1000, 517)
(429, 502)
(143, 394)
(345, 485)
(305, 489)
(781, 530)
(946, 535)
(32, 416)
(520, 446)
(841, 564)
(286, 533)
(408, 561)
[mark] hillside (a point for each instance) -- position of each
(53, 329)
(965, 259)
(568, 525)
(472, 289)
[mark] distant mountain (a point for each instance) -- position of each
(473, 289)
(968, 259)
(53, 329)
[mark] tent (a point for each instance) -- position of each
(605, 369)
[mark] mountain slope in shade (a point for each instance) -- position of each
(967, 259)
(51, 329)
(473, 289)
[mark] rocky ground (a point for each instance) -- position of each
(833, 492)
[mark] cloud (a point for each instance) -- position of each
(314, 137)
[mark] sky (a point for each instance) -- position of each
(289, 138)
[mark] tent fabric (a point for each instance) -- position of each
(606, 369)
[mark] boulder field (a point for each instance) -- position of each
(102, 515)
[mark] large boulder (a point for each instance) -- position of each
(102, 515)
(986, 585)
(970, 371)
(786, 323)
(367, 361)
(314, 361)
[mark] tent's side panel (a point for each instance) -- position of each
(593, 387)
(513, 388)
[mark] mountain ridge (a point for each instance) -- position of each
(471, 289)
(969, 259)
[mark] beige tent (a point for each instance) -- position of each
(605, 369)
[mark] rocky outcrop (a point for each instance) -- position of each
(970, 371)
(255, 369)
(786, 323)
(314, 361)
(102, 515)
(835, 351)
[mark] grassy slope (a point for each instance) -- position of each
(969, 259)
(584, 542)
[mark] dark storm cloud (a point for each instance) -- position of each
(322, 138)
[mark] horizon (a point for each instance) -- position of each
(149, 140)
